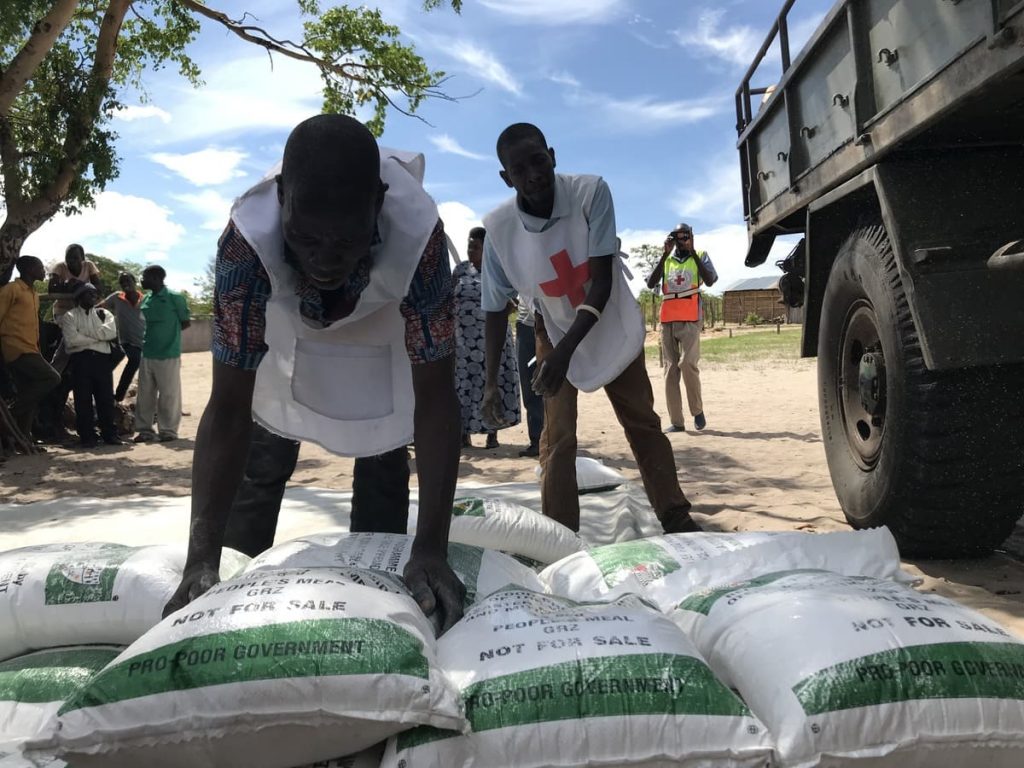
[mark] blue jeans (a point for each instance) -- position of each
(526, 344)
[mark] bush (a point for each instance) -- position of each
(753, 319)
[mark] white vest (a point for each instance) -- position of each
(346, 386)
(552, 268)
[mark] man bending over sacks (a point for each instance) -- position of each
(554, 243)
(333, 322)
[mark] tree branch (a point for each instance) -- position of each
(259, 36)
(81, 125)
(9, 159)
(44, 34)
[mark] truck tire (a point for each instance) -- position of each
(937, 456)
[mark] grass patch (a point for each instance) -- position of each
(766, 345)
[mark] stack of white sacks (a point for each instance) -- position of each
(696, 650)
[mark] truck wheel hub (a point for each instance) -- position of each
(862, 385)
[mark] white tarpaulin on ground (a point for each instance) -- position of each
(618, 515)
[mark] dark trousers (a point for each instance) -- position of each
(6, 385)
(33, 379)
(92, 380)
(526, 345)
(380, 492)
(134, 355)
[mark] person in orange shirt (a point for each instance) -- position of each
(32, 376)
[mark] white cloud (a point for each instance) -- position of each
(135, 112)
(645, 114)
(246, 94)
(564, 78)
(712, 192)
(557, 12)
(213, 207)
(458, 219)
(736, 45)
(204, 168)
(448, 145)
(485, 65)
(120, 227)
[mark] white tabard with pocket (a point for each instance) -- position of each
(346, 386)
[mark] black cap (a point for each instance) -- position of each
(682, 227)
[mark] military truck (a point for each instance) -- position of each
(894, 144)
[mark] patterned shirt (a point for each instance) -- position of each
(242, 288)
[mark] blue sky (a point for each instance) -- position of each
(638, 91)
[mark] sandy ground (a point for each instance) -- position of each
(758, 466)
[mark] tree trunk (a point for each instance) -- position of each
(26, 216)
(12, 440)
(12, 236)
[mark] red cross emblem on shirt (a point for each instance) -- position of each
(680, 280)
(570, 280)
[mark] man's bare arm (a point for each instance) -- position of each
(438, 430)
(218, 464)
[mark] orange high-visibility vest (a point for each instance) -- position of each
(680, 287)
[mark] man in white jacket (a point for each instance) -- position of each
(88, 333)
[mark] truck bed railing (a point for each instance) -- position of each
(863, 85)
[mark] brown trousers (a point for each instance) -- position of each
(680, 345)
(633, 400)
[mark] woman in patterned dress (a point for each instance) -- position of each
(469, 349)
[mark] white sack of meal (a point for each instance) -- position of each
(666, 568)
(368, 758)
(33, 687)
(482, 571)
(512, 528)
(592, 476)
(17, 760)
(268, 670)
(848, 670)
(550, 682)
(92, 592)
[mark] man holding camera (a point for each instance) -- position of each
(682, 271)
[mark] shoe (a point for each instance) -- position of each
(168, 438)
(145, 437)
(699, 421)
(492, 442)
(530, 451)
(682, 524)
(113, 441)
(674, 428)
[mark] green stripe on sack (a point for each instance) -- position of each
(612, 686)
(644, 559)
(704, 601)
(466, 560)
(468, 508)
(86, 577)
(51, 676)
(315, 648)
(941, 671)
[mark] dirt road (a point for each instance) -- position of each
(759, 465)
